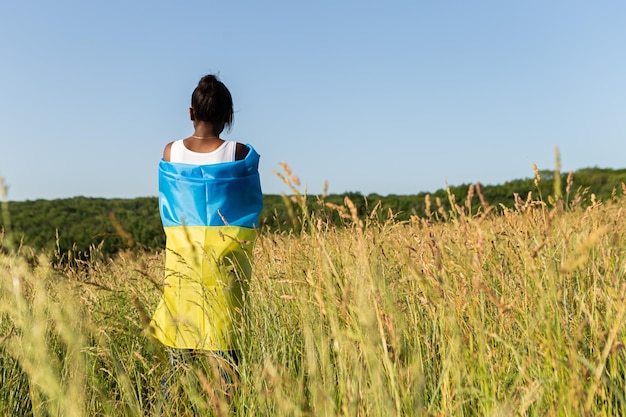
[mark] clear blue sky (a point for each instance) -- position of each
(392, 97)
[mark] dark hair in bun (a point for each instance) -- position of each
(211, 102)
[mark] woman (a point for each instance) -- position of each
(209, 199)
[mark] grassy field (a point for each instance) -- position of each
(519, 314)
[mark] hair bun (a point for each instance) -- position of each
(207, 81)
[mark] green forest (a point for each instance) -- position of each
(76, 227)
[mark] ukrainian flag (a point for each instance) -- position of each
(209, 215)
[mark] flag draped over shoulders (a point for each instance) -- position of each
(209, 215)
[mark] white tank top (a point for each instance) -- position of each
(225, 153)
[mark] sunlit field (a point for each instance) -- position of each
(466, 312)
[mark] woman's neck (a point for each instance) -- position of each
(205, 130)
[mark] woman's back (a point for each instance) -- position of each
(226, 152)
(199, 152)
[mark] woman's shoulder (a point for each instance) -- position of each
(241, 152)
(167, 152)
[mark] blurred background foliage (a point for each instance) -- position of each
(76, 225)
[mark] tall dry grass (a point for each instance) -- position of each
(482, 315)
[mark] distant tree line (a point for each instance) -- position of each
(76, 225)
